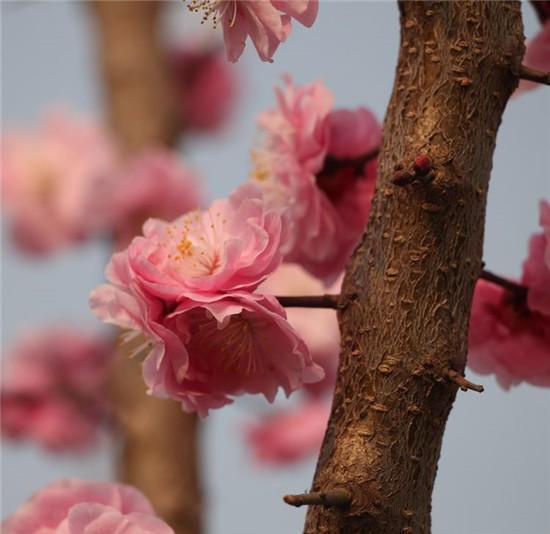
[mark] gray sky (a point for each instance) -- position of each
(494, 475)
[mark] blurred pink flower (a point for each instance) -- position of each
(52, 179)
(511, 342)
(537, 56)
(290, 435)
(206, 86)
(545, 223)
(536, 276)
(153, 184)
(266, 22)
(311, 166)
(187, 285)
(54, 388)
(76, 507)
(318, 327)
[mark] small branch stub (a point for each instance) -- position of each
(534, 75)
(339, 498)
(462, 383)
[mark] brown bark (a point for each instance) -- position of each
(159, 455)
(407, 293)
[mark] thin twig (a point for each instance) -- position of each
(518, 290)
(543, 12)
(310, 301)
(462, 383)
(534, 75)
(340, 498)
(333, 164)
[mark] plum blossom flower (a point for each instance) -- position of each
(206, 86)
(153, 184)
(511, 338)
(313, 165)
(545, 223)
(507, 340)
(74, 507)
(188, 287)
(52, 179)
(266, 22)
(290, 435)
(318, 327)
(54, 388)
(537, 56)
(536, 269)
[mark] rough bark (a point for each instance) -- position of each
(159, 453)
(409, 285)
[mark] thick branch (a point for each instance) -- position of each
(160, 449)
(415, 269)
(534, 75)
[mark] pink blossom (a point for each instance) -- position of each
(232, 245)
(311, 166)
(52, 179)
(289, 435)
(77, 507)
(186, 285)
(266, 22)
(507, 340)
(206, 87)
(537, 56)
(298, 127)
(53, 389)
(318, 327)
(154, 184)
(205, 351)
(536, 276)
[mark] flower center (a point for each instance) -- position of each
(214, 9)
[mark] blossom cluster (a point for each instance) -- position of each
(54, 388)
(191, 285)
(73, 506)
(66, 182)
(510, 336)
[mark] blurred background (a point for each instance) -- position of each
(494, 474)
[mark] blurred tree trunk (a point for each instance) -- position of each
(409, 285)
(160, 441)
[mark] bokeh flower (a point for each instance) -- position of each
(52, 181)
(74, 507)
(54, 388)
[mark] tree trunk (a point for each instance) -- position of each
(408, 288)
(159, 455)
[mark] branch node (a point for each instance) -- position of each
(419, 171)
(462, 383)
(338, 498)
